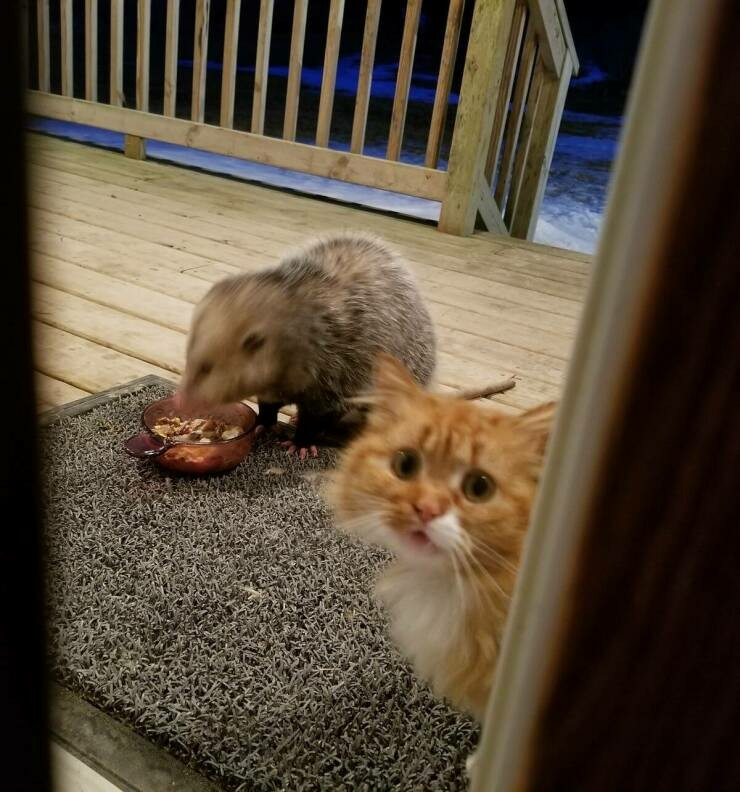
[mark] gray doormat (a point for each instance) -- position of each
(225, 619)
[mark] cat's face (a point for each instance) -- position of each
(440, 480)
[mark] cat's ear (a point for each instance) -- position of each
(392, 378)
(537, 423)
(392, 385)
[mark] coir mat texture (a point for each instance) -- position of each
(227, 621)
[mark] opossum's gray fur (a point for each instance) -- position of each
(364, 300)
(332, 306)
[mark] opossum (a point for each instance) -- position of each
(308, 331)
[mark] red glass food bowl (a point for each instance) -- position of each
(194, 458)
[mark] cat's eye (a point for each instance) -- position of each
(406, 463)
(252, 342)
(478, 486)
(205, 369)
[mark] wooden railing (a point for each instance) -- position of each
(519, 60)
(518, 67)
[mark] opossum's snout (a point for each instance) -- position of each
(205, 383)
(220, 370)
(233, 346)
(195, 389)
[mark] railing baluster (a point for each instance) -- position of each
(490, 30)
(91, 50)
(514, 123)
(297, 40)
(65, 22)
(116, 52)
(262, 67)
(507, 84)
(329, 78)
(42, 44)
(444, 82)
(545, 125)
(525, 137)
(228, 75)
(200, 60)
(170, 57)
(143, 39)
(365, 79)
(485, 127)
(403, 81)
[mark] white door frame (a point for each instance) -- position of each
(671, 63)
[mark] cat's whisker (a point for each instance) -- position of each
(458, 580)
(364, 526)
(500, 559)
(373, 501)
(457, 557)
(483, 572)
(492, 553)
(464, 559)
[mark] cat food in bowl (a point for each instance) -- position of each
(189, 441)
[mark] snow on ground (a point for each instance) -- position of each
(423, 86)
(575, 197)
(251, 171)
(571, 212)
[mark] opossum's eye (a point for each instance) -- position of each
(205, 369)
(252, 342)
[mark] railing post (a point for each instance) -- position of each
(134, 147)
(545, 125)
(484, 67)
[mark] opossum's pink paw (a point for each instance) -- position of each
(261, 429)
(301, 452)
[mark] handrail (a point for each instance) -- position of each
(503, 134)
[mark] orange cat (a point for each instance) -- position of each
(447, 486)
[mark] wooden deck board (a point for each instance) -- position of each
(124, 249)
(222, 220)
(226, 193)
(84, 364)
(182, 233)
(449, 288)
(51, 392)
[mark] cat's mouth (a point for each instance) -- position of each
(420, 540)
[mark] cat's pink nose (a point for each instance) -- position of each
(428, 510)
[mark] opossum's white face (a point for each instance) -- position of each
(232, 353)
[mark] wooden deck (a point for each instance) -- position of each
(123, 249)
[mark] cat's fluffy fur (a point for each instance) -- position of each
(449, 587)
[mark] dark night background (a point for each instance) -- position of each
(606, 36)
